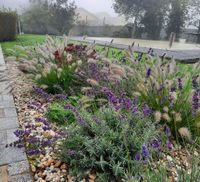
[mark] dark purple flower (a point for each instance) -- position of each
(146, 110)
(145, 151)
(180, 84)
(61, 133)
(41, 92)
(47, 143)
(19, 133)
(195, 102)
(167, 131)
(138, 156)
(81, 121)
(60, 96)
(96, 120)
(42, 120)
(19, 145)
(33, 140)
(169, 146)
(148, 74)
(71, 153)
(155, 144)
(194, 82)
(32, 152)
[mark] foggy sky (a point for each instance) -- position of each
(96, 6)
(93, 6)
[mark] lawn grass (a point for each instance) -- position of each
(22, 40)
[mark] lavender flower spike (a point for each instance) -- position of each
(145, 151)
(77, 114)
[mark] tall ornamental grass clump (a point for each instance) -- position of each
(171, 90)
(8, 25)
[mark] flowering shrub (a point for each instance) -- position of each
(108, 142)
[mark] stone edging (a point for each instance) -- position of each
(14, 166)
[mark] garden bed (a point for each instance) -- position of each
(85, 117)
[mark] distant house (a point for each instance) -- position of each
(191, 35)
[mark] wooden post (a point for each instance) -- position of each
(172, 39)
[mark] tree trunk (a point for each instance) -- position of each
(198, 34)
(134, 28)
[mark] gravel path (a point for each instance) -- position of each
(14, 165)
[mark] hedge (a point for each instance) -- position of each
(8, 26)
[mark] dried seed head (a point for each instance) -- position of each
(92, 82)
(86, 89)
(184, 132)
(166, 109)
(157, 116)
(177, 117)
(166, 117)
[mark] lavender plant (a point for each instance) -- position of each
(108, 142)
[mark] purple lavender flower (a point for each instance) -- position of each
(41, 92)
(155, 144)
(194, 82)
(195, 102)
(169, 146)
(33, 140)
(167, 131)
(71, 153)
(47, 143)
(180, 84)
(32, 152)
(19, 133)
(145, 151)
(42, 120)
(146, 110)
(148, 74)
(81, 121)
(60, 96)
(138, 156)
(19, 145)
(96, 120)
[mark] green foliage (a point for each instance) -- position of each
(176, 17)
(109, 145)
(49, 17)
(8, 25)
(63, 80)
(10, 49)
(56, 113)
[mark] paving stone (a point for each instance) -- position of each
(3, 138)
(21, 178)
(18, 168)
(3, 174)
(2, 113)
(6, 104)
(9, 112)
(7, 98)
(11, 154)
(10, 136)
(8, 123)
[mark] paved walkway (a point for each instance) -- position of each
(185, 56)
(14, 166)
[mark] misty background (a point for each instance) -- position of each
(155, 20)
